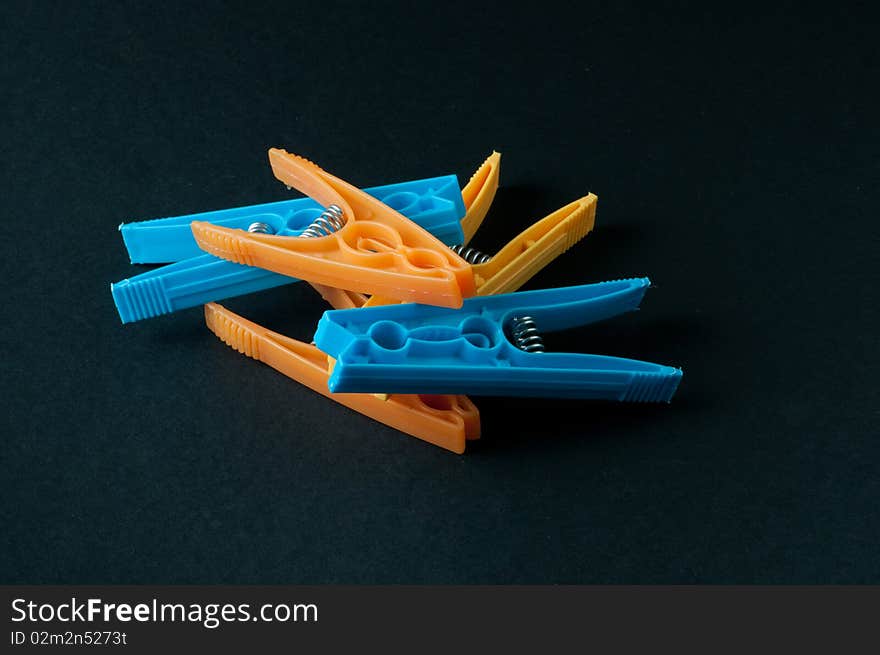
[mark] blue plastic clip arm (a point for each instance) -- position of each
(435, 204)
(433, 350)
(436, 201)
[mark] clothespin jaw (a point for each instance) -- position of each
(375, 250)
(447, 421)
(490, 346)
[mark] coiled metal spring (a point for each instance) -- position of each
(525, 335)
(331, 220)
(260, 228)
(470, 255)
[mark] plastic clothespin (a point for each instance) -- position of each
(491, 346)
(435, 203)
(360, 244)
(445, 421)
(196, 278)
(477, 196)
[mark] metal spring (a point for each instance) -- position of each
(331, 220)
(470, 255)
(260, 228)
(524, 332)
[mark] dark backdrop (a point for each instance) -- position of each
(735, 156)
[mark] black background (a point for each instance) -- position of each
(735, 155)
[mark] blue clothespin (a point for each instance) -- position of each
(197, 278)
(490, 346)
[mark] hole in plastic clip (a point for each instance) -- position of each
(480, 332)
(401, 200)
(388, 335)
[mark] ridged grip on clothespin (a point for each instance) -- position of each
(526, 254)
(479, 193)
(533, 249)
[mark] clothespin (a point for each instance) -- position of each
(477, 196)
(196, 278)
(491, 346)
(359, 243)
(446, 421)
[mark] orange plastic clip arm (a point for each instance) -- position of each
(445, 421)
(377, 251)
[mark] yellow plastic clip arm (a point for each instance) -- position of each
(527, 254)
(524, 256)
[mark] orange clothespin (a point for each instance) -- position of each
(477, 194)
(446, 421)
(358, 243)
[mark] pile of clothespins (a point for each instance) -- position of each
(441, 319)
